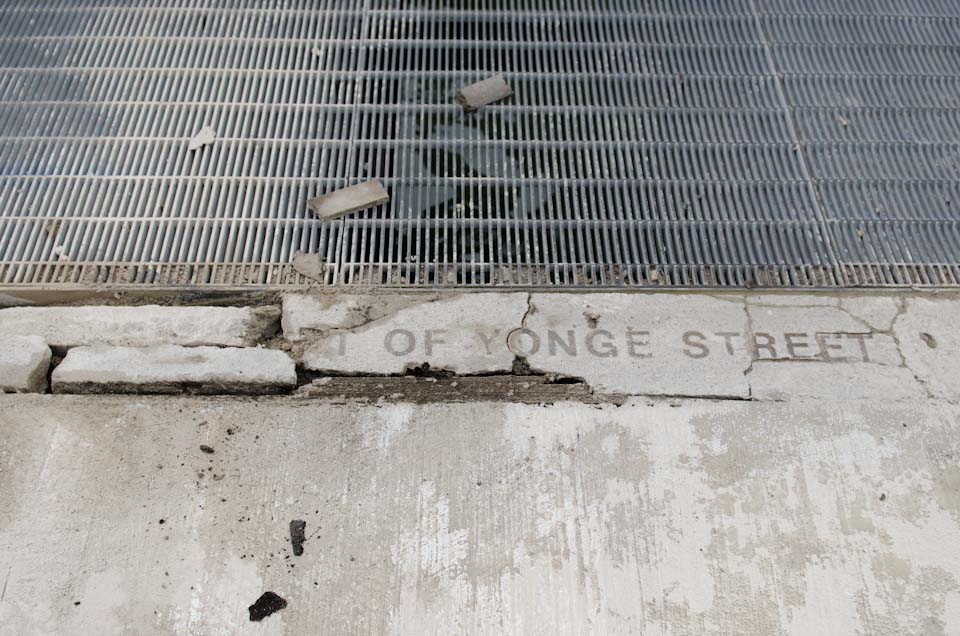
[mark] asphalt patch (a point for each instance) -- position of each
(267, 604)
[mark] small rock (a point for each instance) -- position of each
(204, 137)
(206, 449)
(298, 535)
(883, 496)
(483, 92)
(338, 203)
(267, 604)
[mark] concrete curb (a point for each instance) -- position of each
(173, 369)
(764, 347)
(24, 362)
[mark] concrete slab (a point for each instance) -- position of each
(754, 346)
(463, 333)
(650, 344)
(24, 361)
(656, 517)
(172, 369)
(929, 337)
(144, 326)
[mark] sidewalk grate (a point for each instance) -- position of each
(769, 143)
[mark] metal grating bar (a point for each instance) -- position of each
(779, 143)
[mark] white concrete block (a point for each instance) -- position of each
(24, 361)
(146, 326)
(173, 369)
(463, 333)
(483, 92)
(338, 203)
(204, 137)
(639, 344)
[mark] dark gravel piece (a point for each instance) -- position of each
(267, 604)
(206, 449)
(298, 529)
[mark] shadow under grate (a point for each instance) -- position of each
(761, 143)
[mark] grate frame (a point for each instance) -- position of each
(673, 143)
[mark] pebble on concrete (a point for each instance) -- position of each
(298, 528)
(267, 604)
(24, 361)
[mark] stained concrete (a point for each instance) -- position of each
(24, 361)
(459, 333)
(769, 346)
(656, 517)
(143, 326)
(173, 369)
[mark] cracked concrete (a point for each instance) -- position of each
(815, 492)
(654, 517)
(454, 333)
(730, 346)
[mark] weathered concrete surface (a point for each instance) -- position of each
(621, 343)
(384, 335)
(667, 517)
(930, 346)
(831, 348)
(172, 369)
(144, 326)
(24, 361)
(767, 346)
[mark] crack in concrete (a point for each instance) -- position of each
(531, 309)
(750, 352)
(902, 308)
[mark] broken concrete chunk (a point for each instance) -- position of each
(205, 137)
(298, 528)
(172, 369)
(24, 361)
(309, 266)
(483, 92)
(338, 203)
(267, 604)
(145, 326)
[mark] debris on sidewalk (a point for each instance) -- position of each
(309, 265)
(298, 528)
(206, 449)
(205, 137)
(338, 203)
(267, 604)
(483, 92)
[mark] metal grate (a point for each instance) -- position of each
(664, 142)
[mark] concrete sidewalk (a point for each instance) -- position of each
(655, 517)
